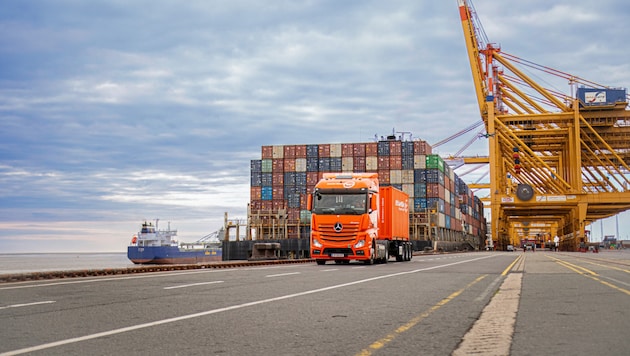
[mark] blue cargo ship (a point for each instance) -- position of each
(154, 246)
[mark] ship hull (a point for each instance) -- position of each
(172, 255)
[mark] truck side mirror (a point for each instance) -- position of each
(373, 203)
(309, 202)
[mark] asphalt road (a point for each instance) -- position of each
(534, 303)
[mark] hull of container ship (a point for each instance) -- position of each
(172, 255)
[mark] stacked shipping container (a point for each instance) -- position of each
(285, 174)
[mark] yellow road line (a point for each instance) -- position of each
(590, 274)
(413, 322)
(609, 267)
(505, 272)
(574, 267)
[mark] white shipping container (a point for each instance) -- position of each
(335, 150)
(408, 189)
(278, 151)
(347, 164)
(300, 164)
(407, 176)
(441, 220)
(419, 162)
(371, 163)
(395, 176)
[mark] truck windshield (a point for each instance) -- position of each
(334, 204)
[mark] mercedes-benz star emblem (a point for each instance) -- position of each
(338, 227)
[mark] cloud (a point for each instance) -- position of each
(113, 111)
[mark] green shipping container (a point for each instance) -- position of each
(435, 162)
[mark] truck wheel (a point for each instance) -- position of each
(320, 262)
(370, 261)
(386, 259)
(410, 252)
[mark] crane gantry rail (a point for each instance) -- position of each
(557, 162)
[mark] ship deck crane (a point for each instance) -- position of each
(557, 161)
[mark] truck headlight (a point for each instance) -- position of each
(359, 244)
(316, 243)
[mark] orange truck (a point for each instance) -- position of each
(353, 218)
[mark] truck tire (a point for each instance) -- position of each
(320, 262)
(370, 261)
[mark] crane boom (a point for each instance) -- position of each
(472, 45)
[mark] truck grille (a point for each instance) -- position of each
(349, 231)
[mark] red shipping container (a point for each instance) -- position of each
(347, 150)
(395, 162)
(289, 165)
(300, 151)
(323, 150)
(359, 164)
(289, 151)
(255, 193)
(421, 148)
(278, 192)
(393, 216)
(277, 165)
(383, 163)
(433, 190)
(267, 152)
(383, 176)
(312, 178)
(371, 149)
(256, 205)
(359, 150)
(395, 148)
(278, 204)
(277, 178)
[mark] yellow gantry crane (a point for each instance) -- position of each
(557, 162)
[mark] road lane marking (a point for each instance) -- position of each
(192, 285)
(282, 274)
(590, 274)
(573, 267)
(148, 275)
(492, 333)
(505, 272)
(378, 344)
(608, 266)
(330, 270)
(221, 310)
(27, 304)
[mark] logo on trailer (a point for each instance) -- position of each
(338, 227)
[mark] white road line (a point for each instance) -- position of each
(330, 270)
(220, 310)
(192, 285)
(282, 274)
(148, 275)
(27, 304)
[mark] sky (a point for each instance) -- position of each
(115, 112)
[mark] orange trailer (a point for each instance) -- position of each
(353, 218)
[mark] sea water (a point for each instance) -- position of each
(45, 262)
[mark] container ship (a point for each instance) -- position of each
(444, 212)
(153, 246)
